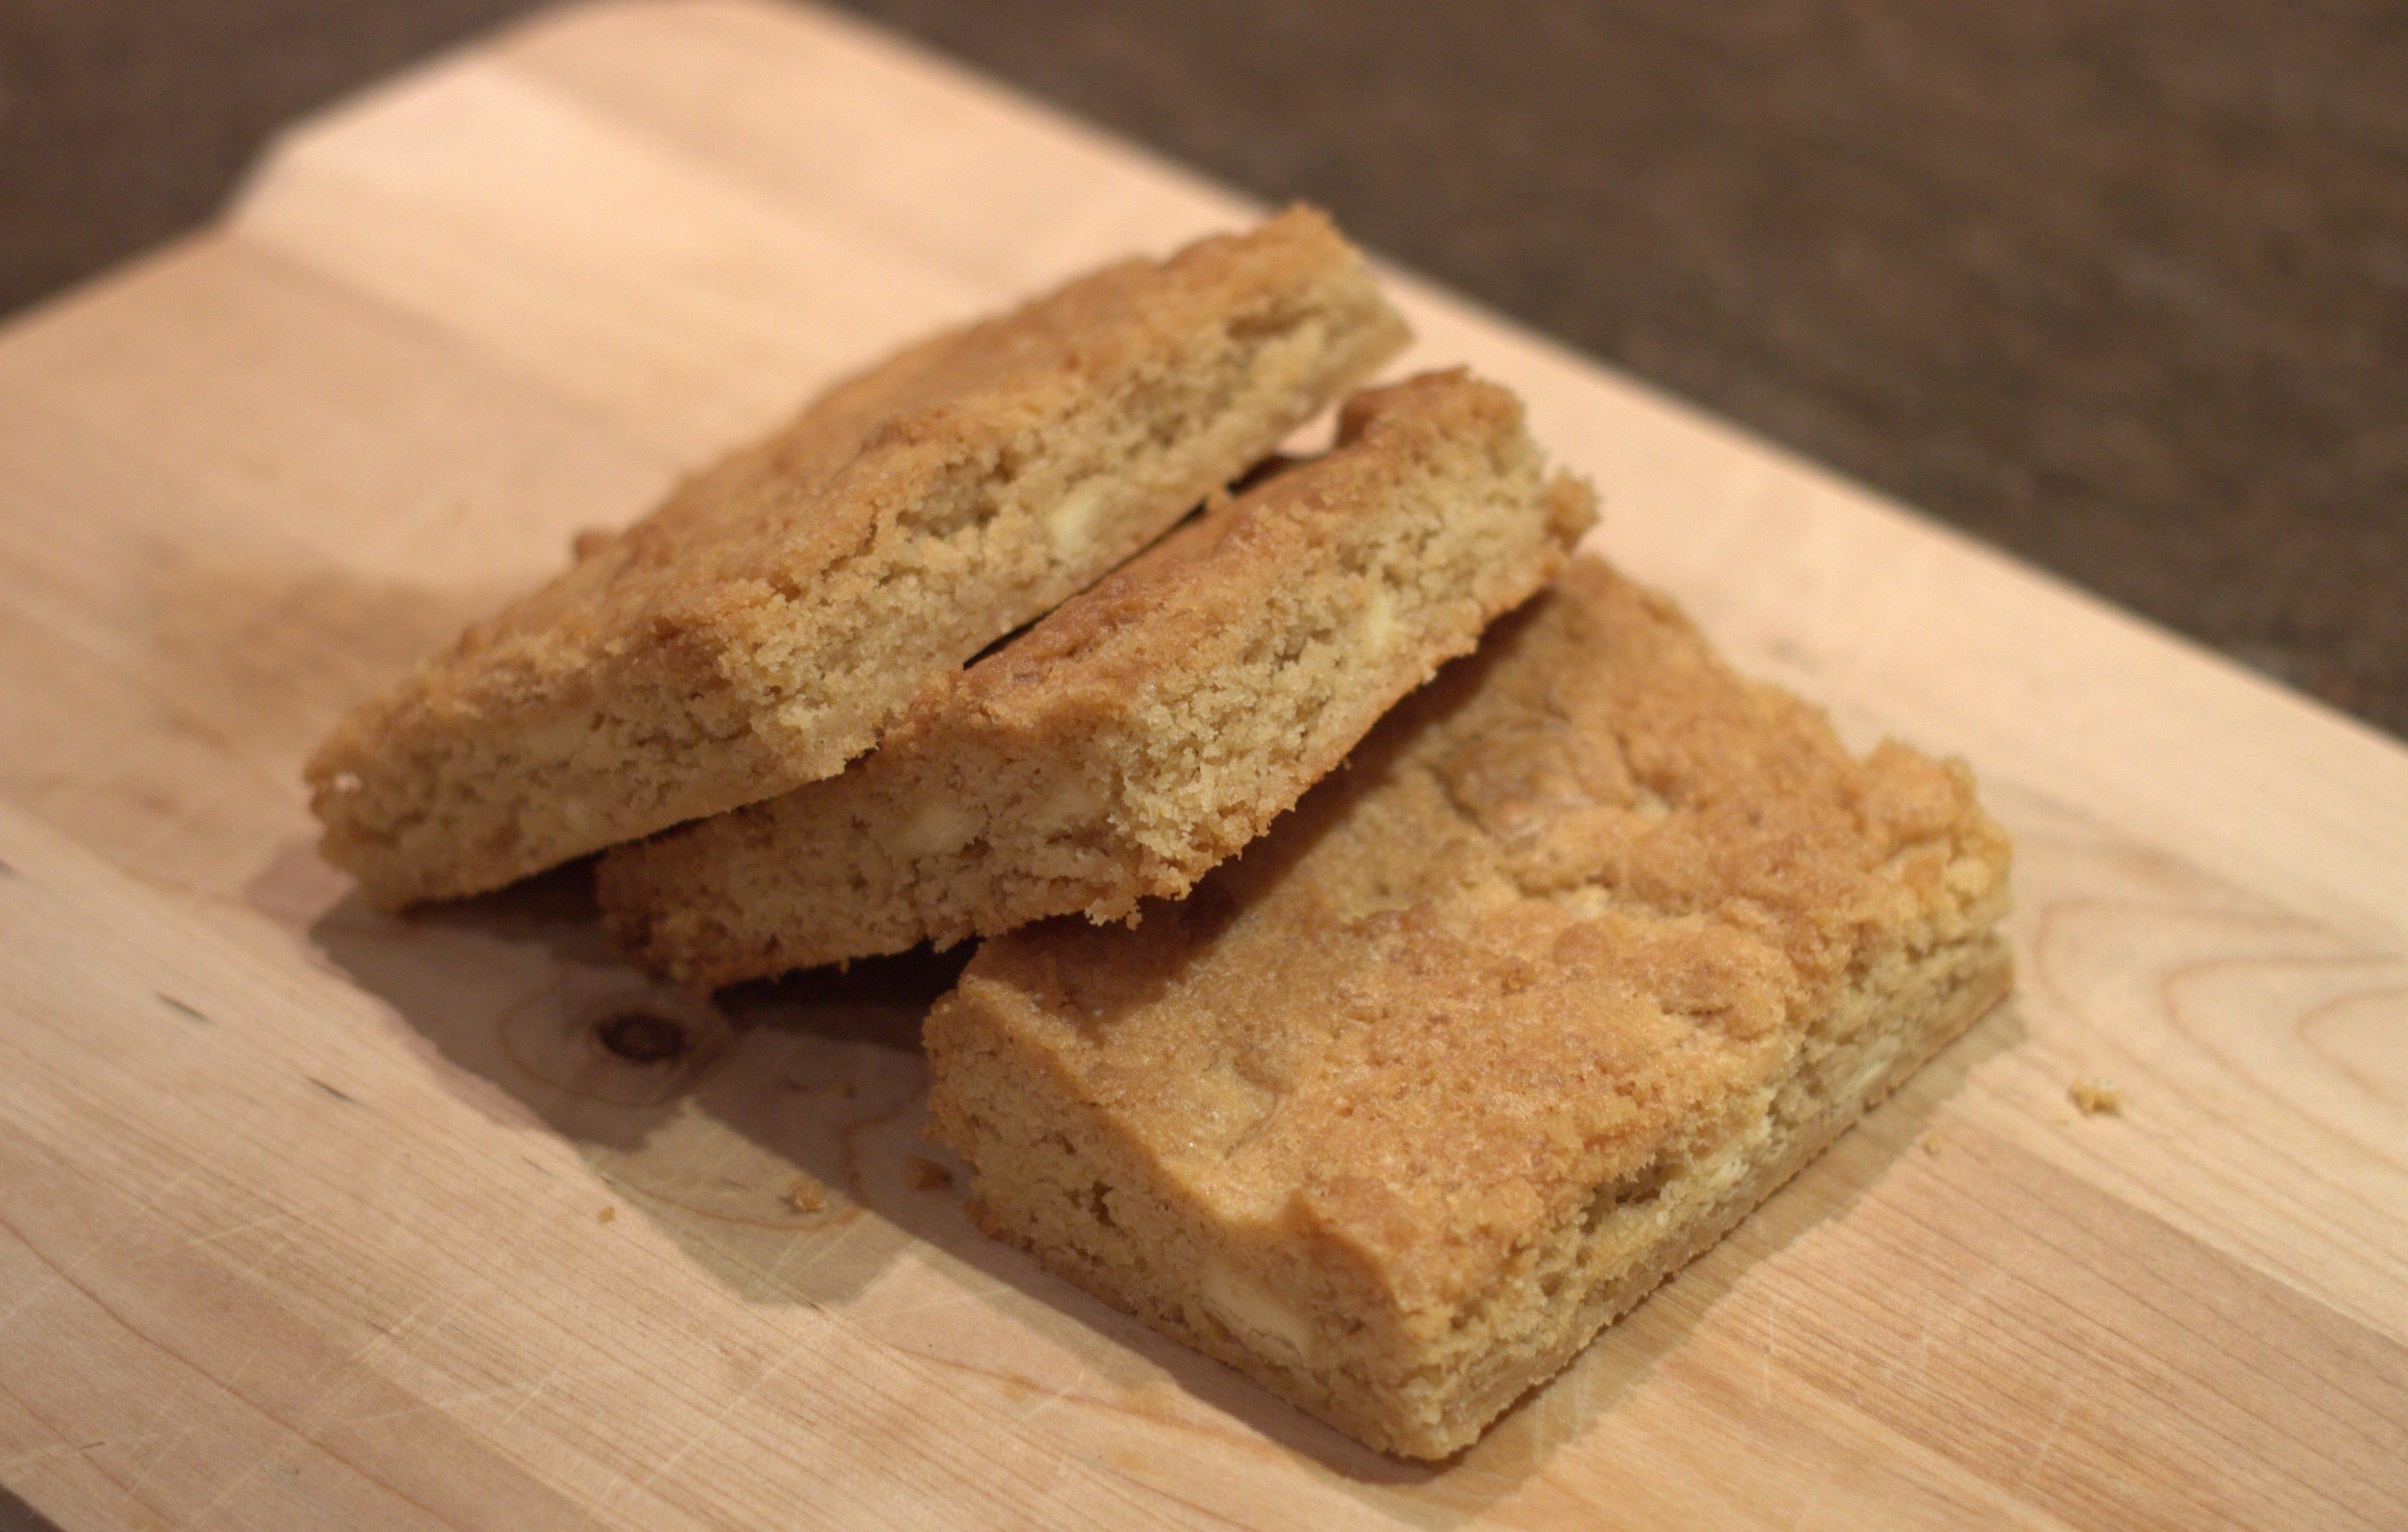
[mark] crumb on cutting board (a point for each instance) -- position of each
(606, 1214)
(2097, 1097)
(806, 1195)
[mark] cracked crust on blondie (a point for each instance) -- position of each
(1591, 947)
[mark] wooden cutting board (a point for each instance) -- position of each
(312, 1218)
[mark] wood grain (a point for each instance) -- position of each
(311, 1217)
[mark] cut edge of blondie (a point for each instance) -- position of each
(1049, 1176)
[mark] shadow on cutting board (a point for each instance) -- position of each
(773, 1133)
(734, 1123)
(17, 1516)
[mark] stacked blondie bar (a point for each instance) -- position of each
(1405, 942)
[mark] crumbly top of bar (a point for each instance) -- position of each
(748, 543)
(1567, 917)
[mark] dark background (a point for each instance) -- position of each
(2120, 286)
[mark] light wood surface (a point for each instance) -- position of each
(313, 1218)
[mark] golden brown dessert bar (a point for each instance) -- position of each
(764, 625)
(1147, 729)
(1591, 945)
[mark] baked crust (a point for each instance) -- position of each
(1591, 945)
(776, 613)
(1149, 727)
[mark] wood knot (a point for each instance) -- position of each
(641, 1037)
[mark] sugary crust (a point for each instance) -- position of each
(1592, 943)
(1146, 729)
(776, 612)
